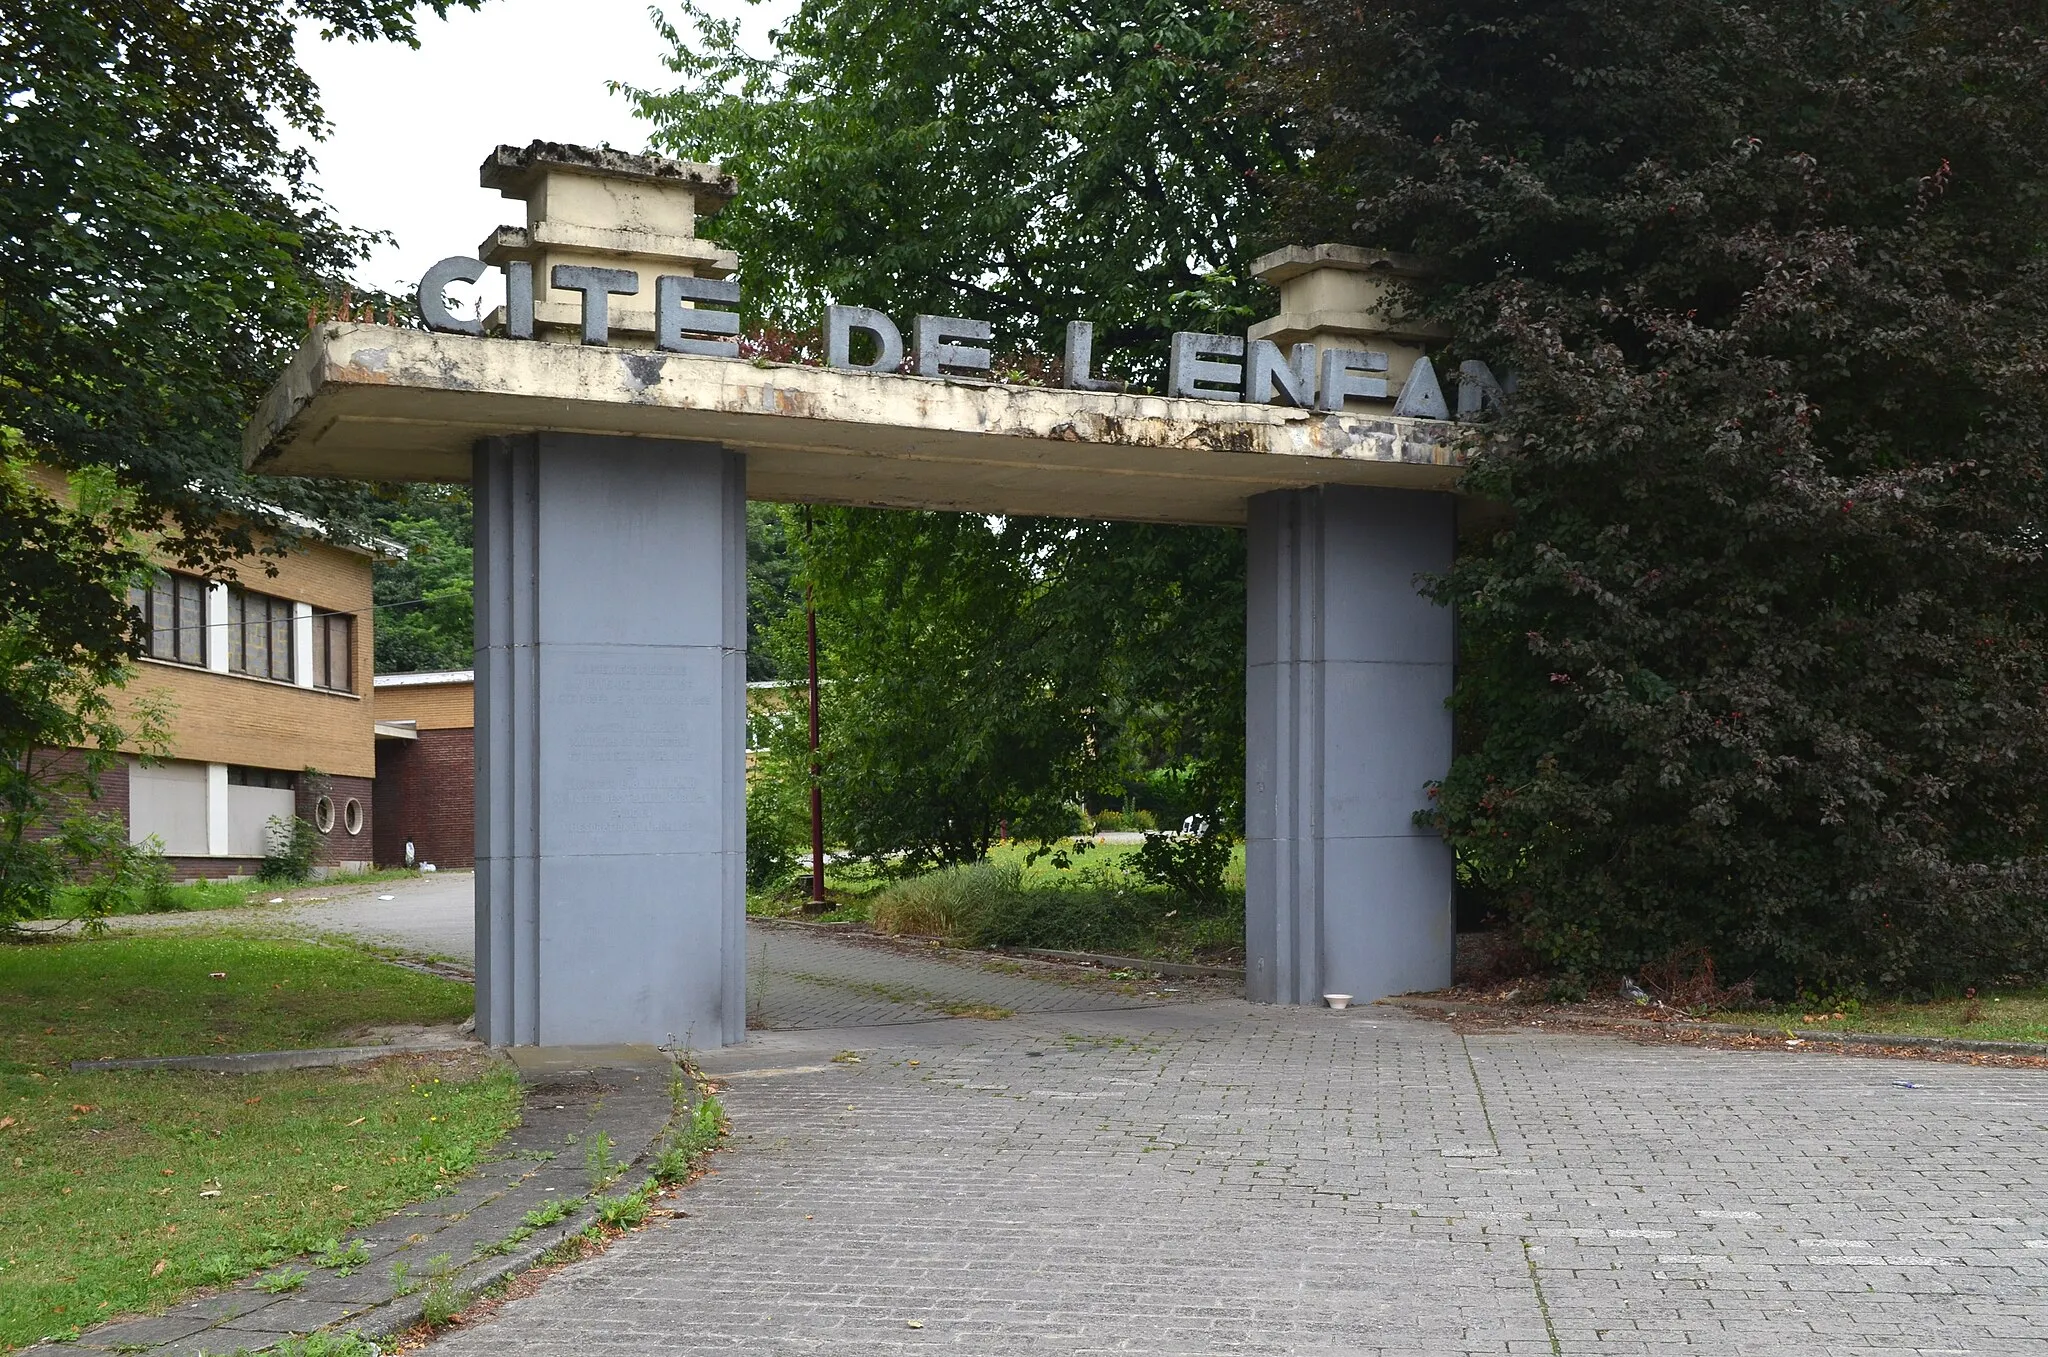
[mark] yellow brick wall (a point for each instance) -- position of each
(438, 706)
(230, 718)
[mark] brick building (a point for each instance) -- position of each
(265, 686)
(426, 767)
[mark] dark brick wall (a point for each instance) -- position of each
(338, 845)
(426, 792)
(113, 788)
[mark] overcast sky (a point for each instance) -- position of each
(411, 126)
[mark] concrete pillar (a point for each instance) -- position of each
(302, 644)
(1347, 671)
(610, 734)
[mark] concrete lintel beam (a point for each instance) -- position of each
(371, 402)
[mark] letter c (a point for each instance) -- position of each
(433, 300)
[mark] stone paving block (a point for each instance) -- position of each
(1182, 1179)
(165, 1328)
(226, 1305)
(1187, 1175)
(287, 1316)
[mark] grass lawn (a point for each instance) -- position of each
(229, 894)
(125, 1191)
(1999, 1015)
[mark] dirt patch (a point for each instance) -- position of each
(447, 1035)
(1476, 1016)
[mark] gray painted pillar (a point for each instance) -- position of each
(1347, 670)
(611, 751)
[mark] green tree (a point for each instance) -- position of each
(1029, 167)
(161, 245)
(164, 241)
(426, 615)
(64, 643)
(949, 708)
(1758, 664)
(976, 680)
(770, 590)
(1023, 165)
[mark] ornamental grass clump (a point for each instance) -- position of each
(948, 903)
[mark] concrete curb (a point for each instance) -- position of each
(625, 1094)
(1187, 969)
(263, 1062)
(1184, 969)
(1812, 1035)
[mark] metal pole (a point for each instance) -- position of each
(817, 793)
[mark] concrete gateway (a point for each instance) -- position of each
(613, 437)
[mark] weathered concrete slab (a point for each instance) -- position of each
(378, 403)
(263, 1062)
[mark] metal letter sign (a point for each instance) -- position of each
(700, 316)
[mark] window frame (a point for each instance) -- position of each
(325, 625)
(276, 622)
(161, 602)
(276, 779)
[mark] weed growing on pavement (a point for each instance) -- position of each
(706, 1126)
(597, 1159)
(627, 1210)
(319, 1345)
(443, 1300)
(543, 1216)
(345, 1259)
(290, 1279)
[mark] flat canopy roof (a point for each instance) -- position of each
(373, 402)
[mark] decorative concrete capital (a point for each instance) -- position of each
(1346, 297)
(598, 208)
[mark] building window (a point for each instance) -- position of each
(323, 815)
(352, 815)
(333, 652)
(173, 609)
(275, 778)
(260, 635)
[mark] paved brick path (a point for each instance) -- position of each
(1110, 1173)
(1224, 1178)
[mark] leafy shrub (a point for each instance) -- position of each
(294, 843)
(86, 850)
(1755, 660)
(1192, 866)
(778, 829)
(948, 903)
(1114, 821)
(153, 885)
